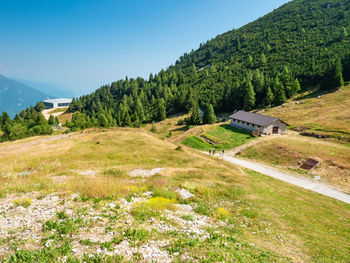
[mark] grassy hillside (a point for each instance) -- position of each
(328, 114)
(94, 199)
(291, 151)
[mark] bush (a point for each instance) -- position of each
(164, 193)
(141, 212)
(180, 122)
(161, 203)
(188, 217)
(222, 213)
(137, 234)
(249, 213)
(179, 148)
(25, 202)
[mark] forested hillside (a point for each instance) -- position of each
(300, 45)
(261, 64)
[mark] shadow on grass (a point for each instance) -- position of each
(314, 94)
(236, 130)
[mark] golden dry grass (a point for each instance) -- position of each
(96, 163)
(292, 150)
(329, 113)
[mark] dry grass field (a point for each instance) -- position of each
(106, 202)
(329, 114)
(292, 150)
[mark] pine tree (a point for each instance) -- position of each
(51, 120)
(334, 78)
(195, 117)
(338, 74)
(263, 59)
(295, 87)
(5, 119)
(280, 95)
(209, 115)
(268, 99)
(161, 110)
(249, 97)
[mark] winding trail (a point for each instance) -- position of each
(305, 183)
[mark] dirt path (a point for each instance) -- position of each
(305, 183)
(46, 113)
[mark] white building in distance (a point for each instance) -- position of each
(57, 103)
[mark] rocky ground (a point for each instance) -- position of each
(32, 221)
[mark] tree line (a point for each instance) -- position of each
(28, 122)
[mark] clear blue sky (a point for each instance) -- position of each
(82, 44)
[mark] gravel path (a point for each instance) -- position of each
(301, 182)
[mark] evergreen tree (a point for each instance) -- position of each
(51, 120)
(280, 95)
(334, 79)
(161, 110)
(195, 117)
(268, 99)
(209, 115)
(249, 96)
(338, 74)
(39, 106)
(5, 119)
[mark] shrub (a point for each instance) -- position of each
(188, 217)
(222, 213)
(24, 202)
(160, 203)
(179, 148)
(164, 193)
(249, 213)
(202, 209)
(142, 212)
(154, 129)
(136, 234)
(180, 122)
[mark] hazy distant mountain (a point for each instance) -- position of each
(47, 88)
(16, 96)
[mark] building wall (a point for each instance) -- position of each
(265, 130)
(277, 123)
(245, 125)
(48, 105)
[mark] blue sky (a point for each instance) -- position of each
(81, 44)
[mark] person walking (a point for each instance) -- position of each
(209, 151)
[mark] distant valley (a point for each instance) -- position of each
(17, 94)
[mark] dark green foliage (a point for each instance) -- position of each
(195, 117)
(249, 97)
(334, 79)
(209, 115)
(29, 122)
(261, 64)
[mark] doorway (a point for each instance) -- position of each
(275, 130)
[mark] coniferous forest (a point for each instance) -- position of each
(301, 45)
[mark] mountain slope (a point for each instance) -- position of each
(47, 88)
(255, 66)
(303, 35)
(15, 96)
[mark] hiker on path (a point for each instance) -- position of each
(209, 151)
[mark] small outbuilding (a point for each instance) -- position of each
(57, 103)
(256, 122)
